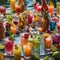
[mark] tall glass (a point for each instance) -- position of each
(50, 9)
(52, 25)
(13, 29)
(35, 40)
(23, 39)
(29, 18)
(27, 51)
(58, 26)
(47, 43)
(58, 8)
(1, 56)
(17, 52)
(8, 45)
(56, 38)
(12, 5)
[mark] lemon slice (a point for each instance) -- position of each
(46, 34)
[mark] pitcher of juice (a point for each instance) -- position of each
(12, 5)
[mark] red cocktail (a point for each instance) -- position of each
(29, 18)
(8, 45)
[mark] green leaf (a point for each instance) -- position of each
(12, 37)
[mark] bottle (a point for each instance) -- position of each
(45, 20)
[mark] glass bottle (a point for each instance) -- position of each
(45, 17)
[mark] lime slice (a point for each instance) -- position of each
(46, 58)
(53, 48)
(56, 55)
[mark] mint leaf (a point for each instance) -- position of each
(12, 37)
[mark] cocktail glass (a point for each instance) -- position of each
(27, 51)
(52, 25)
(47, 43)
(50, 9)
(58, 26)
(18, 9)
(58, 8)
(1, 56)
(13, 29)
(17, 52)
(56, 38)
(12, 5)
(29, 18)
(23, 39)
(8, 45)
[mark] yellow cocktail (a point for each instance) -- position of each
(12, 5)
(17, 52)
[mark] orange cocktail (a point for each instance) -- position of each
(47, 43)
(12, 5)
(13, 29)
(24, 38)
(18, 9)
(36, 18)
(50, 9)
(27, 50)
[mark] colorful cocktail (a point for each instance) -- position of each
(2, 10)
(17, 52)
(29, 18)
(48, 42)
(24, 39)
(1, 56)
(18, 9)
(58, 7)
(56, 38)
(50, 9)
(12, 5)
(8, 45)
(13, 29)
(27, 51)
(58, 26)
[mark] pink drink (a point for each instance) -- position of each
(39, 8)
(8, 45)
(58, 26)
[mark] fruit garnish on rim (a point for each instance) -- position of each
(16, 47)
